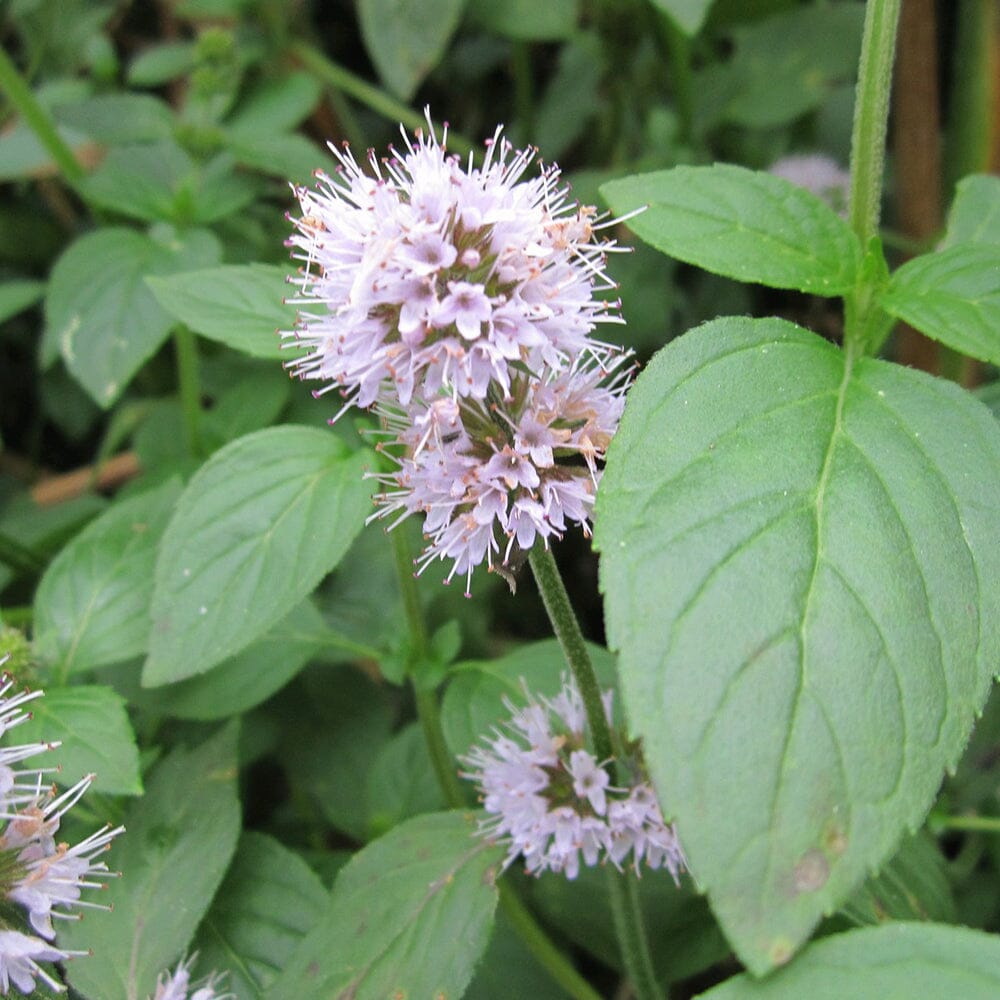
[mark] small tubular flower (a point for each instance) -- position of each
(177, 985)
(552, 801)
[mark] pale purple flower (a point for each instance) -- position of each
(426, 274)
(495, 478)
(19, 958)
(177, 985)
(552, 801)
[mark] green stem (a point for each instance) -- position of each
(189, 385)
(622, 889)
(37, 118)
(361, 90)
(973, 824)
(871, 114)
(567, 629)
(679, 50)
(534, 938)
(542, 948)
(19, 557)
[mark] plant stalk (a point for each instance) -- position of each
(38, 120)
(622, 889)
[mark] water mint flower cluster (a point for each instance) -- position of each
(459, 302)
(45, 878)
(553, 801)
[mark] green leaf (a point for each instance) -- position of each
(16, 296)
(92, 605)
(267, 903)
(975, 212)
(277, 105)
(952, 296)
(159, 64)
(474, 701)
(251, 676)
(742, 224)
(526, 20)
(241, 305)
(255, 531)
(342, 721)
(406, 41)
(913, 886)
(894, 962)
(181, 836)
(832, 530)
(115, 119)
(401, 782)
(409, 916)
(95, 736)
(688, 15)
(291, 157)
(99, 313)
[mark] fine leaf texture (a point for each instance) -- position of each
(952, 296)
(181, 836)
(406, 40)
(742, 224)
(255, 531)
(239, 305)
(99, 313)
(975, 212)
(94, 734)
(409, 916)
(92, 605)
(895, 962)
(802, 579)
(268, 901)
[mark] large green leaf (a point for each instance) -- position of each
(406, 40)
(975, 212)
(181, 836)
(241, 305)
(743, 224)
(268, 901)
(92, 605)
(255, 531)
(94, 735)
(99, 313)
(16, 296)
(952, 296)
(525, 19)
(802, 579)
(409, 916)
(894, 962)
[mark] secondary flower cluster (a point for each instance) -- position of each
(553, 800)
(459, 302)
(42, 876)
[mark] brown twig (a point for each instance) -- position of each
(107, 476)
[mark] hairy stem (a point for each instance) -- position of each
(622, 889)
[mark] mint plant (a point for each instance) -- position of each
(750, 750)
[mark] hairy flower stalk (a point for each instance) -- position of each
(459, 301)
(44, 877)
(553, 802)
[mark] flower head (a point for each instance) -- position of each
(45, 877)
(425, 274)
(553, 801)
